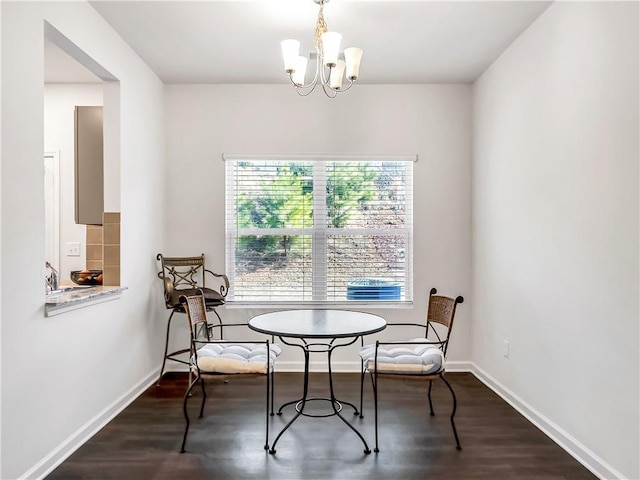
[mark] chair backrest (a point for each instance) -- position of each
(441, 310)
(197, 313)
(180, 273)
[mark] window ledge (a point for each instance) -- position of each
(74, 300)
(347, 305)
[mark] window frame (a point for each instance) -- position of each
(230, 235)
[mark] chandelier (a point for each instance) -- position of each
(330, 69)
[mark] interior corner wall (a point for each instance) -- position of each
(432, 121)
(555, 229)
(63, 376)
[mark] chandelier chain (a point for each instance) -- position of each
(321, 27)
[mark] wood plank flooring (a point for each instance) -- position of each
(227, 443)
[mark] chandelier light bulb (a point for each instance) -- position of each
(300, 70)
(352, 57)
(290, 53)
(330, 48)
(335, 80)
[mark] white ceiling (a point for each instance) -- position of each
(238, 41)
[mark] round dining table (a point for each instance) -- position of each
(318, 331)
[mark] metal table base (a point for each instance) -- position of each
(300, 404)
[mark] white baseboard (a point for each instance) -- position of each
(459, 366)
(571, 445)
(88, 430)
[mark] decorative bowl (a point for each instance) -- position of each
(86, 277)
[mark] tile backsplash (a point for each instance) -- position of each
(103, 248)
(111, 248)
(94, 247)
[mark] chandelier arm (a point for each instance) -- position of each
(302, 93)
(311, 85)
(291, 79)
(304, 90)
(326, 87)
(325, 80)
(351, 83)
(318, 66)
(329, 92)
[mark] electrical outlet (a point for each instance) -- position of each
(505, 349)
(73, 249)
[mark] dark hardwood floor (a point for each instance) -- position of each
(497, 442)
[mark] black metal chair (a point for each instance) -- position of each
(224, 357)
(416, 357)
(186, 276)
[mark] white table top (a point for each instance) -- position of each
(317, 323)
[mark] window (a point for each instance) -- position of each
(319, 229)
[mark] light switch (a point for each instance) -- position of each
(73, 249)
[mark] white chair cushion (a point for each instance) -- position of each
(234, 358)
(405, 359)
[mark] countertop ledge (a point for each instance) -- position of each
(86, 297)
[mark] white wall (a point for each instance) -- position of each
(555, 221)
(59, 104)
(555, 229)
(1, 94)
(432, 121)
(63, 375)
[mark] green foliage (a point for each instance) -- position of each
(282, 197)
(349, 187)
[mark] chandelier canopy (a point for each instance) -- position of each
(331, 70)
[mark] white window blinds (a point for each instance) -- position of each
(319, 230)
